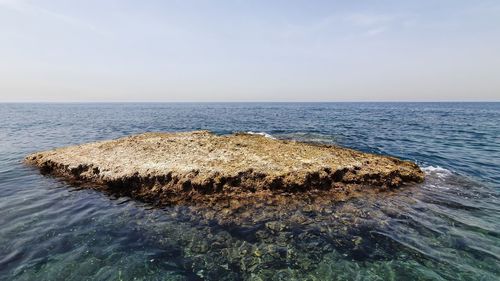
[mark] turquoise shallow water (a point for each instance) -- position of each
(447, 228)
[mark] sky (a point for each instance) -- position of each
(123, 50)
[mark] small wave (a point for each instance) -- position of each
(436, 177)
(437, 171)
(264, 134)
(309, 137)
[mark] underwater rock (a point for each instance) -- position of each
(170, 168)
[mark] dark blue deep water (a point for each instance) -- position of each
(447, 228)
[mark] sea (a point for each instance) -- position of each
(447, 228)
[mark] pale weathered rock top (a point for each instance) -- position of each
(202, 162)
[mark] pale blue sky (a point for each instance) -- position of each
(98, 50)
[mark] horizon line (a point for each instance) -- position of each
(256, 101)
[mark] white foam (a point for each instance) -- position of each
(310, 137)
(264, 134)
(436, 171)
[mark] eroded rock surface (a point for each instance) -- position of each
(168, 168)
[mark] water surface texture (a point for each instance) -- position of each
(447, 228)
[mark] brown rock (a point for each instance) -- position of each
(193, 166)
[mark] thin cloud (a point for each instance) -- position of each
(33, 10)
(373, 24)
(364, 24)
(295, 30)
(369, 20)
(376, 31)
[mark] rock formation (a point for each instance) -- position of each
(169, 168)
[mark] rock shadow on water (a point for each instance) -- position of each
(284, 236)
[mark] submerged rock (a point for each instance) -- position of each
(168, 168)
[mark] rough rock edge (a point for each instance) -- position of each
(174, 187)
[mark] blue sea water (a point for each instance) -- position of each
(447, 228)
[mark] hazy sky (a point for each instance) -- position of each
(249, 50)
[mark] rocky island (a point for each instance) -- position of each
(200, 166)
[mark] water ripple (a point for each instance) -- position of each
(444, 229)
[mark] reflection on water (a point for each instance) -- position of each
(444, 229)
